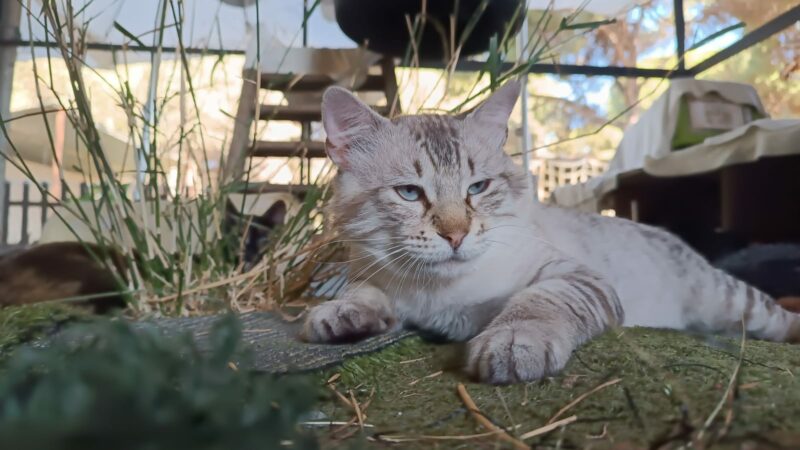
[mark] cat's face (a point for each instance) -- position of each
(428, 188)
(252, 233)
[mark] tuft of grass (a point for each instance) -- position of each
(21, 324)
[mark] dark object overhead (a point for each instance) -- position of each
(381, 25)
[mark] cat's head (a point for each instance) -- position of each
(435, 188)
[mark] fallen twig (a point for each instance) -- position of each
(357, 407)
(426, 377)
(549, 427)
(327, 423)
(581, 398)
(473, 408)
(399, 438)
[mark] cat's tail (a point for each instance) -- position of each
(741, 303)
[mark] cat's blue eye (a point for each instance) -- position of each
(479, 187)
(409, 192)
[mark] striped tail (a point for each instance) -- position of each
(764, 318)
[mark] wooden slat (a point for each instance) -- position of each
(241, 138)
(268, 188)
(308, 149)
(313, 82)
(300, 113)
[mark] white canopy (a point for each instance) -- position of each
(647, 145)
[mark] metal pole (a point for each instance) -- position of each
(522, 42)
(680, 34)
(10, 11)
(150, 106)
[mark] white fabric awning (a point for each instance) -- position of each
(609, 8)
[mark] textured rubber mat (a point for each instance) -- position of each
(274, 342)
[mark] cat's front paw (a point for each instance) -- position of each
(516, 352)
(339, 321)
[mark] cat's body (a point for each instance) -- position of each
(59, 271)
(71, 270)
(445, 236)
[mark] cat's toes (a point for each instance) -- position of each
(515, 353)
(338, 321)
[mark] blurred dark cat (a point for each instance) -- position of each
(71, 270)
(62, 270)
(250, 234)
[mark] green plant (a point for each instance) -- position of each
(107, 385)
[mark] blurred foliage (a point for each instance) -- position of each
(107, 385)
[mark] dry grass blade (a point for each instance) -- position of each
(331, 423)
(581, 398)
(549, 427)
(728, 394)
(426, 377)
(399, 438)
(473, 408)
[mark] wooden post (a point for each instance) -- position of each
(58, 158)
(4, 216)
(44, 202)
(25, 203)
(390, 86)
(241, 139)
(10, 12)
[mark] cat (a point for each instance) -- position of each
(63, 270)
(445, 236)
(251, 233)
(53, 271)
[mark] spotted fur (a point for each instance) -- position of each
(524, 283)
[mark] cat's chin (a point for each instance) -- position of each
(452, 266)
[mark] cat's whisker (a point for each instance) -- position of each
(381, 268)
(408, 263)
(364, 256)
(492, 241)
(521, 234)
(377, 261)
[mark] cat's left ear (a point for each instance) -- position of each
(495, 111)
(275, 215)
(347, 121)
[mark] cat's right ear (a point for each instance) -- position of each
(347, 120)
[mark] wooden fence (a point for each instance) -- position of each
(550, 173)
(29, 209)
(554, 172)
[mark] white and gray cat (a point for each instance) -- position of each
(445, 236)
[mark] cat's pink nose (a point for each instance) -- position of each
(454, 238)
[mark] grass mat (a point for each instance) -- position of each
(669, 385)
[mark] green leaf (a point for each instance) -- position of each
(128, 34)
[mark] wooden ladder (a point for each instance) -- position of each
(242, 145)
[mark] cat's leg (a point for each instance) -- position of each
(361, 311)
(534, 335)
